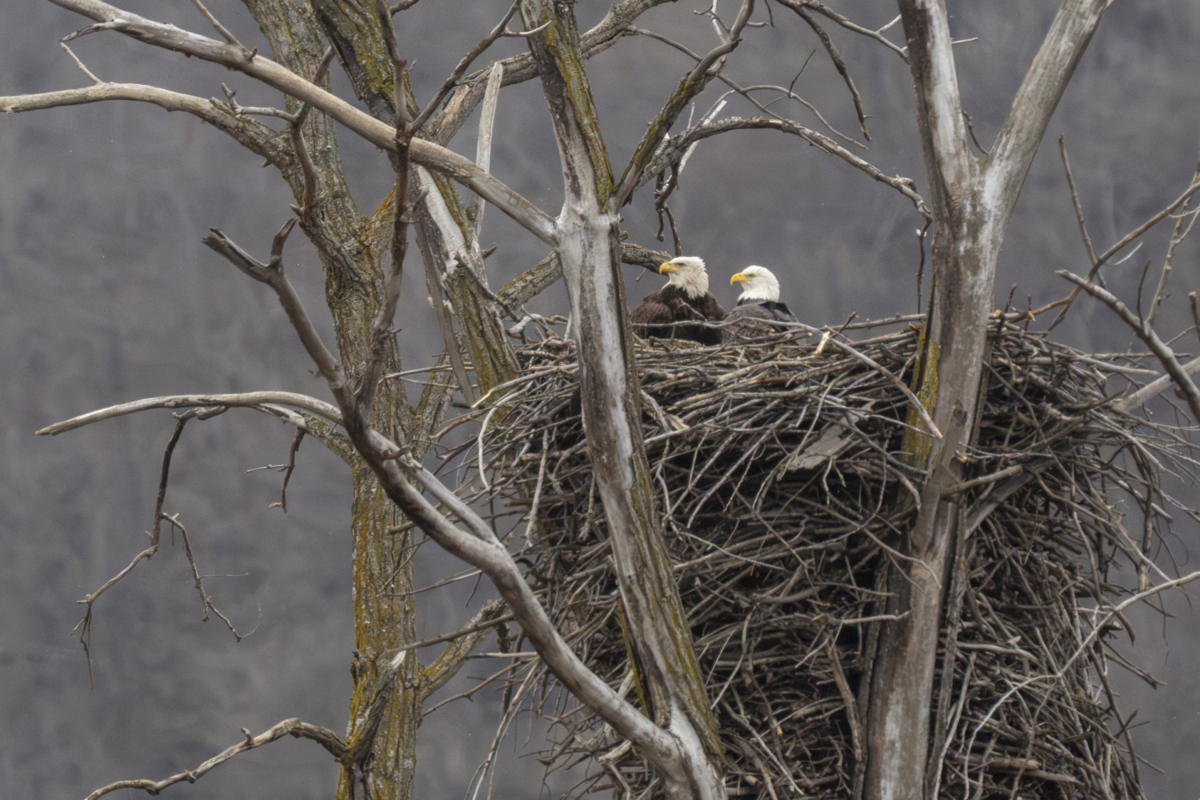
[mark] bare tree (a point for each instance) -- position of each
(384, 438)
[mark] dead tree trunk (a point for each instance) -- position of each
(971, 199)
(589, 249)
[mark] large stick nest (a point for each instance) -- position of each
(786, 494)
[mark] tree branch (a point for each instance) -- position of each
(477, 545)
(483, 147)
(939, 104)
(275, 75)
(1125, 241)
(688, 88)
(520, 68)
(1147, 334)
(271, 274)
(840, 66)
(289, 727)
(1038, 96)
(678, 145)
(821, 8)
(265, 401)
(464, 64)
(589, 251)
(255, 136)
(461, 644)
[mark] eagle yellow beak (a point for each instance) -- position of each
(667, 268)
(741, 277)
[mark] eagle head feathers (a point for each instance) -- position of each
(758, 310)
(680, 309)
(758, 284)
(687, 273)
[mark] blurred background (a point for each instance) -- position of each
(108, 296)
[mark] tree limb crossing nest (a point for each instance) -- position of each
(785, 494)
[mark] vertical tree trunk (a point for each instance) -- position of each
(353, 252)
(971, 201)
(589, 248)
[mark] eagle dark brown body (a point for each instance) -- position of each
(665, 314)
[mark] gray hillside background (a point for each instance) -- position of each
(106, 295)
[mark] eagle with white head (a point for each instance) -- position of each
(680, 309)
(758, 307)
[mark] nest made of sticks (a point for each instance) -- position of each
(785, 495)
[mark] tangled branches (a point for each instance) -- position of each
(786, 494)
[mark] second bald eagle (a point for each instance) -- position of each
(758, 307)
(685, 299)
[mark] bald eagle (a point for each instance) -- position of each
(757, 307)
(685, 298)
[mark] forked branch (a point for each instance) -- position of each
(475, 542)
(688, 88)
(279, 77)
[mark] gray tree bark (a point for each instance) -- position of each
(971, 200)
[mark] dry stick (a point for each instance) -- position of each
(1103, 258)
(1087, 240)
(272, 274)
(852, 715)
(85, 625)
(685, 139)
(745, 91)
(288, 469)
(461, 645)
(1147, 334)
(469, 629)
(198, 581)
(307, 167)
(109, 17)
(289, 727)
(251, 134)
(1114, 611)
(241, 110)
(435, 206)
(79, 63)
(840, 65)
(483, 147)
(1195, 313)
(930, 427)
(484, 769)
(464, 64)
(825, 10)
(709, 66)
(1177, 235)
(269, 402)
(221, 29)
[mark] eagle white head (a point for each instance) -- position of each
(758, 284)
(688, 273)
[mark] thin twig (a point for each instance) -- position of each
(464, 64)
(1147, 334)
(221, 29)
